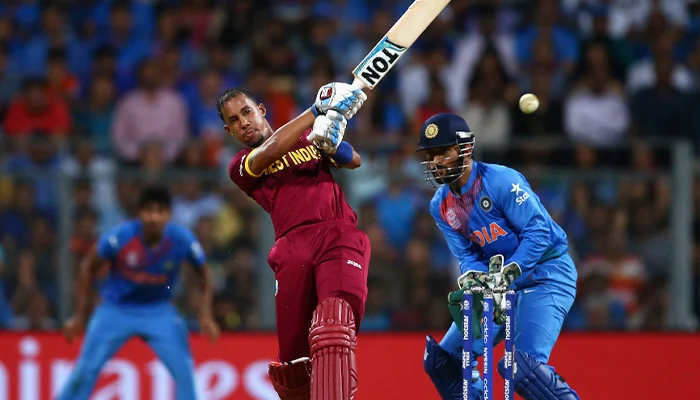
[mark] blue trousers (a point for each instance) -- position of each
(113, 325)
(539, 315)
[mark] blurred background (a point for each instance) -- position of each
(98, 98)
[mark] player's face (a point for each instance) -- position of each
(245, 120)
(443, 158)
(154, 216)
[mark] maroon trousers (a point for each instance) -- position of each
(313, 263)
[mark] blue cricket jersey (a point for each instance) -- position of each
(139, 274)
(498, 213)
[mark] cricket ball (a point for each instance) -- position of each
(529, 103)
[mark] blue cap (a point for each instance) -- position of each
(440, 130)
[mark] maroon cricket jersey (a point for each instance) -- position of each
(298, 189)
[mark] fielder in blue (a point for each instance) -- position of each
(486, 210)
(144, 257)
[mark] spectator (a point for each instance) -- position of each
(62, 84)
(396, 212)
(15, 221)
(545, 27)
(487, 109)
(9, 79)
(55, 33)
(35, 112)
(84, 163)
(643, 73)
(625, 271)
(660, 110)
(471, 48)
(595, 112)
(94, 117)
(37, 316)
(419, 80)
(193, 204)
(544, 62)
(150, 113)
(547, 121)
(130, 45)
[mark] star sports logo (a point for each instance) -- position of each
(520, 199)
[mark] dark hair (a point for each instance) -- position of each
(121, 5)
(33, 83)
(228, 95)
(57, 54)
(104, 51)
(84, 213)
(154, 195)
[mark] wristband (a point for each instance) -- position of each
(343, 155)
(315, 111)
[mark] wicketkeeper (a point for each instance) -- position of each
(486, 210)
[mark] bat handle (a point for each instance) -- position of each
(357, 84)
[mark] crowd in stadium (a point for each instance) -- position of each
(94, 88)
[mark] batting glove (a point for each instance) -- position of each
(328, 131)
(342, 97)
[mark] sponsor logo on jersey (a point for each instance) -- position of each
(520, 199)
(487, 235)
(452, 219)
(292, 158)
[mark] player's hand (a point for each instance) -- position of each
(338, 96)
(328, 131)
(474, 278)
(210, 328)
(73, 327)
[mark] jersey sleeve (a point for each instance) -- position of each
(240, 173)
(195, 252)
(108, 244)
(462, 248)
(515, 198)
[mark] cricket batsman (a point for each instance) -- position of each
(144, 257)
(487, 212)
(320, 257)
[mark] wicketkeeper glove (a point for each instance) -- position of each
(501, 277)
(455, 300)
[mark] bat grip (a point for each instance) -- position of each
(357, 84)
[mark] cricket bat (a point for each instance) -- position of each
(397, 40)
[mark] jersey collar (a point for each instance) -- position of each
(472, 178)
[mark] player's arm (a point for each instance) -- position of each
(88, 270)
(517, 201)
(356, 161)
(346, 157)
(197, 259)
(280, 143)
(106, 248)
(460, 247)
(343, 98)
